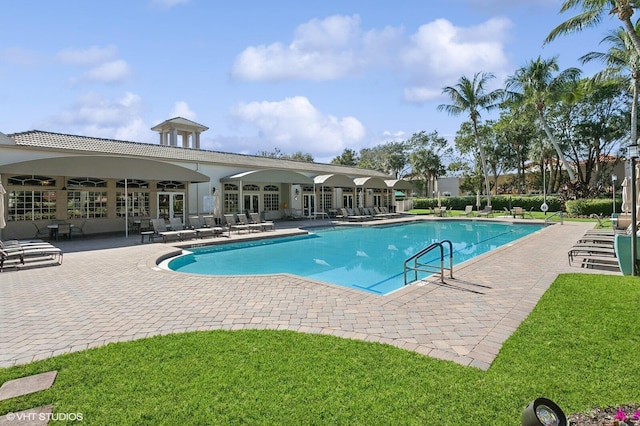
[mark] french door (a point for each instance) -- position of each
(171, 205)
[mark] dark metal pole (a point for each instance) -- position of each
(634, 201)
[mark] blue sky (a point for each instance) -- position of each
(310, 76)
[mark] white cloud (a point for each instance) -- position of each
(439, 51)
(337, 47)
(94, 55)
(97, 116)
(294, 124)
(109, 72)
(321, 50)
(181, 109)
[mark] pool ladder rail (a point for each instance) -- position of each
(413, 263)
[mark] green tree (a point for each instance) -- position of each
(347, 158)
(470, 96)
(427, 152)
(591, 15)
(296, 156)
(516, 129)
(622, 63)
(539, 84)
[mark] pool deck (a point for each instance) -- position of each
(111, 290)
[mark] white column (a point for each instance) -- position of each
(174, 137)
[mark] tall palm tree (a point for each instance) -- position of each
(536, 86)
(622, 62)
(591, 15)
(471, 96)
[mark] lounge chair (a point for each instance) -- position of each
(487, 211)
(18, 253)
(242, 218)
(202, 229)
(233, 225)
(160, 229)
(176, 225)
(468, 211)
(351, 216)
(265, 224)
(518, 211)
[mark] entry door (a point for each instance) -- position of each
(309, 204)
(251, 203)
(170, 205)
(347, 201)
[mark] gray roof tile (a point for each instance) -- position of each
(86, 144)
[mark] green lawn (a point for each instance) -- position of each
(580, 347)
(606, 222)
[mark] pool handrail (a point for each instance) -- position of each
(425, 267)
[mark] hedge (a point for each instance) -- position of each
(583, 207)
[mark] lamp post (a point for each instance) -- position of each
(614, 178)
(544, 207)
(633, 154)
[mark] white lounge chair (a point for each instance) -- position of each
(233, 225)
(265, 224)
(468, 211)
(245, 222)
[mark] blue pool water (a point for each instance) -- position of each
(365, 258)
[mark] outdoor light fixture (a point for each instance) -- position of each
(614, 178)
(543, 412)
(632, 150)
(297, 191)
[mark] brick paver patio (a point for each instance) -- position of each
(114, 294)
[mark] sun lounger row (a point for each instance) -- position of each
(20, 254)
(594, 249)
(366, 213)
(240, 222)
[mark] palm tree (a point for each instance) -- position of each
(470, 96)
(536, 86)
(591, 15)
(623, 62)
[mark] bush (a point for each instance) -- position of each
(498, 202)
(586, 207)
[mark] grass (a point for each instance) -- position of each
(579, 347)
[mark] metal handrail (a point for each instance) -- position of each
(558, 213)
(425, 267)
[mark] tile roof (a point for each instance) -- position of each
(86, 144)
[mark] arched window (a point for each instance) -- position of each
(165, 185)
(32, 180)
(86, 182)
(250, 187)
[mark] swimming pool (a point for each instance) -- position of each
(367, 258)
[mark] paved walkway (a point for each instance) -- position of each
(103, 293)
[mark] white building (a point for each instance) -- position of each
(105, 183)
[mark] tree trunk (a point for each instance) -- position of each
(547, 130)
(484, 163)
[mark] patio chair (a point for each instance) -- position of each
(487, 211)
(518, 211)
(204, 228)
(40, 232)
(64, 230)
(176, 225)
(245, 221)
(265, 224)
(160, 229)
(233, 225)
(79, 230)
(17, 253)
(468, 211)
